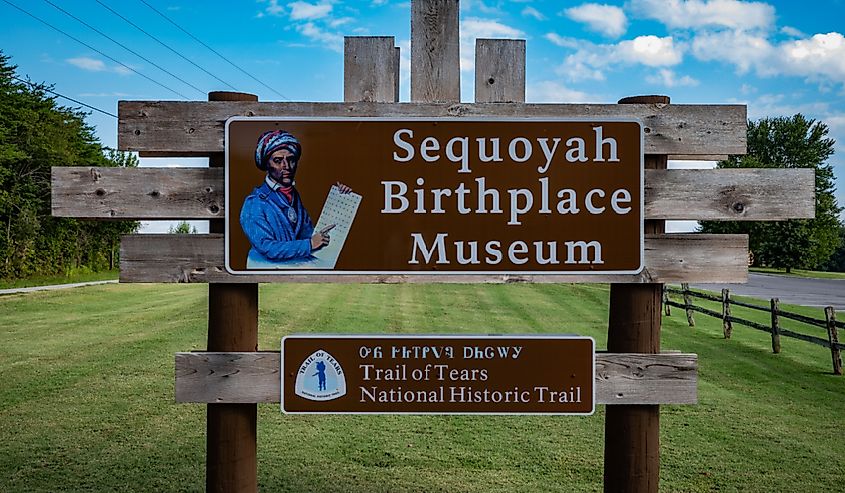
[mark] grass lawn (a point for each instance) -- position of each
(104, 275)
(799, 273)
(87, 398)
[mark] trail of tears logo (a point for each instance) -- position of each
(320, 378)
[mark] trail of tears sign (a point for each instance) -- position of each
(351, 196)
(441, 374)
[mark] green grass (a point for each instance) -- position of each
(87, 398)
(73, 277)
(799, 273)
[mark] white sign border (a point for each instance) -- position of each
(482, 337)
(333, 272)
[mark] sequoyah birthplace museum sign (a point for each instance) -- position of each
(485, 196)
(443, 374)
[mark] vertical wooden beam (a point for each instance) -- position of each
(499, 70)
(370, 69)
(667, 310)
(833, 338)
(397, 72)
(688, 304)
(231, 441)
(775, 325)
(435, 51)
(727, 325)
(632, 433)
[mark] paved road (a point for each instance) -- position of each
(794, 290)
(53, 286)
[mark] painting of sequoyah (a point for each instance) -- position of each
(437, 195)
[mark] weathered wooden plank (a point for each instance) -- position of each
(668, 378)
(731, 194)
(668, 258)
(368, 69)
(500, 70)
(435, 51)
(172, 128)
(138, 193)
(198, 193)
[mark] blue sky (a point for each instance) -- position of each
(779, 57)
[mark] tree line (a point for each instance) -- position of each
(816, 244)
(36, 133)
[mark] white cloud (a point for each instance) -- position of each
(695, 14)
(589, 60)
(300, 11)
(820, 58)
(90, 64)
(473, 28)
(741, 49)
(563, 42)
(96, 65)
(605, 19)
(340, 21)
(792, 32)
(330, 40)
(530, 11)
(273, 8)
(668, 78)
(549, 91)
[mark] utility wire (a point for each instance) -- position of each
(165, 45)
(41, 87)
(96, 50)
(212, 49)
(130, 50)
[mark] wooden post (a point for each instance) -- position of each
(775, 325)
(632, 433)
(727, 327)
(231, 459)
(499, 70)
(688, 304)
(833, 338)
(370, 69)
(435, 51)
(667, 310)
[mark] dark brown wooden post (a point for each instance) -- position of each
(833, 338)
(727, 327)
(775, 325)
(231, 460)
(632, 433)
(688, 304)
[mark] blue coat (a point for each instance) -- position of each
(267, 224)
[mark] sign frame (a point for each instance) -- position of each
(331, 272)
(481, 337)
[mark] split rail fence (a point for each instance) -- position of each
(830, 324)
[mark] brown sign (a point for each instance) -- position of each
(433, 196)
(438, 374)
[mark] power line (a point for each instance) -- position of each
(210, 48)
(41, 87)
(165, 45)
(130, 50)
(96, 50)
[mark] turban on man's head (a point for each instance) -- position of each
(272, 141)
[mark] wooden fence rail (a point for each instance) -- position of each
(775, 329)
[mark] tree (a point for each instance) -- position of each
(836, 263)
(183, 227)
(790, 142)
(35, 134)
